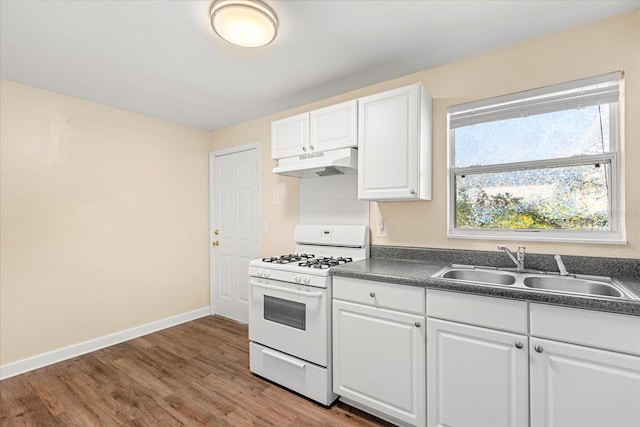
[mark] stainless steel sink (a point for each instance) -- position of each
(573, 285)
(593, 286)
(482, 276)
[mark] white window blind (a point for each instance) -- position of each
(576, 94)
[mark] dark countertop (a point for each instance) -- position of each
(418, 273)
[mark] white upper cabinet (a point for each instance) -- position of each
(333, 127)
(325, 129)
(394, 145)
(290, 136)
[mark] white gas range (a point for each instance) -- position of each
(290, 308)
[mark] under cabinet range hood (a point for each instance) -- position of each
(342, 161)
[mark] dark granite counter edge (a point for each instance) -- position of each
(424, 280)
(621, 268)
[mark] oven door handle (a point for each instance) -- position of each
(287, 290)
(283, 358)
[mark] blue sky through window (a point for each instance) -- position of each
(544, 136)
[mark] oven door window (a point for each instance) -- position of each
(285, 312)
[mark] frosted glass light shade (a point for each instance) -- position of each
(246, 23)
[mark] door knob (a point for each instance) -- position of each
(519, 344)
(215, 243)
(538, 348)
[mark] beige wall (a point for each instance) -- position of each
(104, 219)
(609, 45)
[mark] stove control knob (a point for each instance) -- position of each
(297, 278)
(259, 273)
(266, 273)
(306, 280)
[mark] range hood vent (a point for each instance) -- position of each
(342, 161)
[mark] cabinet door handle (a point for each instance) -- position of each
(412, 191)
(538, 348)
(304, 149)
(519, 344)
(311, 147)
(417, 324)
(372, 294)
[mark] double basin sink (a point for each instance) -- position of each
(593, 286)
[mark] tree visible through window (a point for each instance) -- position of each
(543, 161)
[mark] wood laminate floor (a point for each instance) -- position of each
(196, 373)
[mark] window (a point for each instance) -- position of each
(538, 165)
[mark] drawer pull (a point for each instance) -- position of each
(519, 344)
(417, 324)
(538, 349)
(283, 358)
(372, 294)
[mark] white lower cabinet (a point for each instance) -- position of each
(575, 385)
(477, 361)
(563, 367)
(584, 368)
(379, 356)
(490, 362)
(476, 376)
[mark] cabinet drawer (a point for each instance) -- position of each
(608, 331)
(379, 294)
(296, 374)
(495, 313)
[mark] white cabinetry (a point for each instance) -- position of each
(492, 362)
(394, 144)
(325, 129)
(576, 384)
(477, 376)
(379, 349)
(290, 136)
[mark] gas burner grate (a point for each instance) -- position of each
(286, 259)
(326, 262)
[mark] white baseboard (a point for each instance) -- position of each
(29, 364)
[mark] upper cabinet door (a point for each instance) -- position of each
(394, 145)
(290, 136)
(333, 127)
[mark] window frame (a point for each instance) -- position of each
(616, 235)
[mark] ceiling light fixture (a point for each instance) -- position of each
(246, 23)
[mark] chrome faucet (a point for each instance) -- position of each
(518, 259)
(561, 267)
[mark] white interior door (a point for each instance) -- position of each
(235, 216)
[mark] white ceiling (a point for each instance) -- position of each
(162, 59)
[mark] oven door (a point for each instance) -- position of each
(290, 318)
